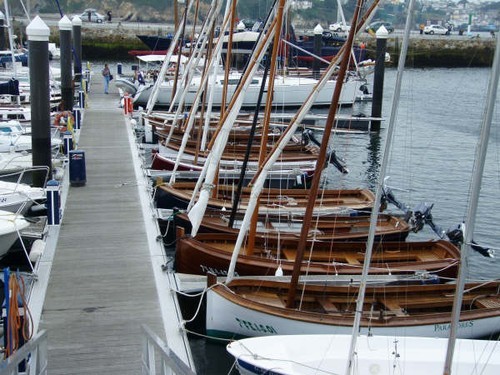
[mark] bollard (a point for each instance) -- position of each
(318, 34)
(378, 78)
(67, 142)
(67, 88)
(84, 85)
(81, 98)
(86, 77)
(53, 203)
(77, 47)
(38, 37)
(77, 114)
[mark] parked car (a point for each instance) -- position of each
(436, 29)
(374, 26)
(339, 27)
(91, 15)
(484, 28)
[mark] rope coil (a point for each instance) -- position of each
(15, 325)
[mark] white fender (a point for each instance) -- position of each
(36, 250)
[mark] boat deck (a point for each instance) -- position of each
(106, 275)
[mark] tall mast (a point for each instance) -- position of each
(313, 192)
(210, 167)
(378, 194)
(261, 175)
(229, 57)
(472, 208)
(267, 113)
(11, 37)
(176, 15)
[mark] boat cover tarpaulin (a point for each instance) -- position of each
(10, 87)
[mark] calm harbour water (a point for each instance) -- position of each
(431, 160)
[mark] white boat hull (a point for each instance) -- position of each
(17, 197)
(10, 225)
(288, 92)
(126, 85)
(327, 354)
(226, 319)
(18, 143)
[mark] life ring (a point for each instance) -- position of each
(66, 115)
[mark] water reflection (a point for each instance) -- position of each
(373, 160)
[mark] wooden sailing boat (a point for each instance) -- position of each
(297, 155)
(212, 252)
(274, 200)
(416, 355)
(468, 227)
(287, 226)
(250, 306)
(258, 307)
(227, 121)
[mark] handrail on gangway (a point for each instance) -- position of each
(34, 355)
(168, 362)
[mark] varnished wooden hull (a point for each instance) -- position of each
(335, 227)
(255, 307)
(210, 252)
(280, 201)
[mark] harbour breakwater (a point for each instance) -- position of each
(115, 40)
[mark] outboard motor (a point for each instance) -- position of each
(332, 159)
(456, 237)
(421, 216)
(308, 136)
(388, 196)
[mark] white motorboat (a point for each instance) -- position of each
(14, 127)
(22, 142)
(150, 64)
(19, 197)
(126, 85)
(15, 112)
(327, 354)
(10, 226)
(12, 161)
(289, 91)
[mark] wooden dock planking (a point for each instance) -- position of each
(102, 285)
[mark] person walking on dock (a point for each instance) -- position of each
(107, 77)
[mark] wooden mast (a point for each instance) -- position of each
(261, 175)
(267, 114)
(245, 78)
(176, 15)
(229, 52)
(196, 211)
(179, 55)
(313, 192)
